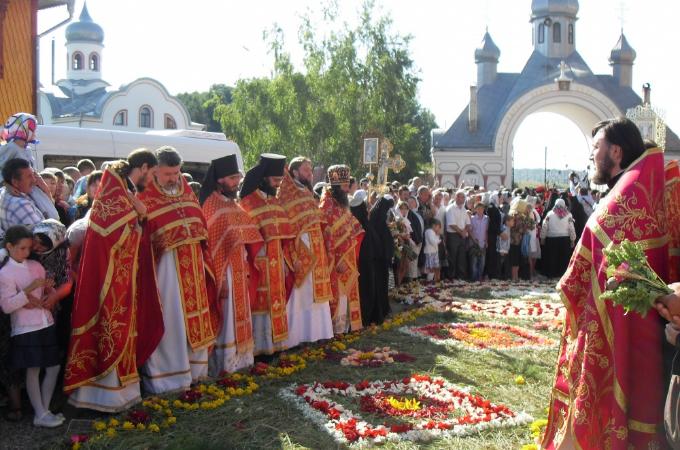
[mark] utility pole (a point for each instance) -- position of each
(545, 167)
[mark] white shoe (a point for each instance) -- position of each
(47, 420)
(59, 416)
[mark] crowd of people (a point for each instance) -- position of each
(136, 279)
(473, 234)
(187, 279)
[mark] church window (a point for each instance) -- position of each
(570, 31)
(120, 119)
(557, 32)
(170, 123)
(145, 117)
(541, 33)
(94, 62)
(77, 62)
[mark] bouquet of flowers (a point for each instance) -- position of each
(631, 281)
(401, 247)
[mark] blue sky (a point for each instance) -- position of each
(190, 45)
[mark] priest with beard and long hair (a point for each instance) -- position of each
(258, 198)
(309, 314)
(343, 234)
(234, 239)
(609, 386)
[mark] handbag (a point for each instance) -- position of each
(671, 413)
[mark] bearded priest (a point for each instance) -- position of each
(309, 313)
(234, 239)
(258, 198)
(191, 313)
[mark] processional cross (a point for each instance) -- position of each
(387, 162)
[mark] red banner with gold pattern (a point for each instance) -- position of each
(272, 292)
(608, 390)
(176, 222)
(116, 319)
(230, 232)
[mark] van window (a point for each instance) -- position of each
(196, 169)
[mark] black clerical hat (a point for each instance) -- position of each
(219, 168)
(270, 165)
(273, 164)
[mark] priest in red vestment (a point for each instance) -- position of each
(309, 313)
(258, 198)
(186, 284)
(342, 233)
(234, 240)
(116, 319)
(608, 390)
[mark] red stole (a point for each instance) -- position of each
(672, 199)
(117, 320)
(176, 222)
(343, 234)
(232, 233)
(305, 217)
(608, 390)
(272, 292)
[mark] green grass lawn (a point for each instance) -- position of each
(265, 420)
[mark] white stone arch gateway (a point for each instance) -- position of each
(581, 104)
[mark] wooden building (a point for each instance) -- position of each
(18, 53)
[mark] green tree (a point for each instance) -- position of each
(356, 79)
(202, 105)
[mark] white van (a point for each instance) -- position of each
(61, 146)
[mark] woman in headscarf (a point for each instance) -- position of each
(495, 222)
(20, 131)
(50, 248)
(558, 235)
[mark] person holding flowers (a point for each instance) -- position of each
(609, 387)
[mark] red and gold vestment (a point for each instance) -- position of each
(117, 320)
(176, 222)
(608, 390)
(272, 292)
(234, 240)
(305, 217)
(343, 234)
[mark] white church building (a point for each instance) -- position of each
(84, 99)
(478, 147)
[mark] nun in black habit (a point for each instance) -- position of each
(375, 258)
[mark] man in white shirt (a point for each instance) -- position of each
(457, 232)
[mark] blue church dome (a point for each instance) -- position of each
(85, 30)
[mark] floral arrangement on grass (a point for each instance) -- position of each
(286, 365)
(417, 293)
(158, 413)
(377, 357)
(514, 309)
(481, 336)
(417, 408)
